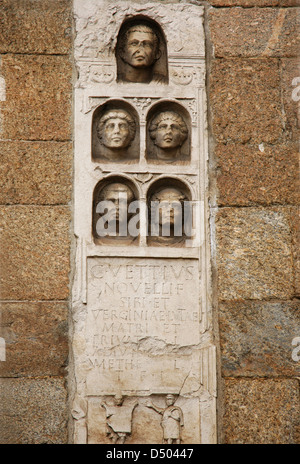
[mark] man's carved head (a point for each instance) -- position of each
(170, 400)
(116, 193)
(140, 46)
(118, 399)
(111, 215)
(171, 202)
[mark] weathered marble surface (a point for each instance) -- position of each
(142, 313)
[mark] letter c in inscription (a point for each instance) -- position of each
(97, 271)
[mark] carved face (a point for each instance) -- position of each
(118, 400)
(140, 48)
(168, 130)
(116, 194)
(171, 205)
(168, 134)
(116, 129)
(116, 133)
(170, 400)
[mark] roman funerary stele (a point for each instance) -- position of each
(143, 348)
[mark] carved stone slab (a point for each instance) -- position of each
(142, 325)
(142, 344)
(142, 417)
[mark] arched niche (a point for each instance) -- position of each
(141, 52)
(169, 212)
(168, 133)
(115, 212)
(115, 133)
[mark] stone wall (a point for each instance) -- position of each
(255, 136)
(254, 131)
(35, 218)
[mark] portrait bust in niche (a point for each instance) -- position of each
(168, 216)
(140, 54)
(111, 214)
(116, 131)
(168, 132)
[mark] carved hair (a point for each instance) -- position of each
(113, 114)
(118, 186)
(181, 197)
(165, 115)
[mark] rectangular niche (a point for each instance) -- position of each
(143, 343)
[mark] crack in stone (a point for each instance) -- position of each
(157, 347)
(184, 381)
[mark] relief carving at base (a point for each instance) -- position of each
(119, 419)
(171, 422)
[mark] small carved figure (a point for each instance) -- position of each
(171, 422)
(116, 131)
(168, 131)
(139, 49)
(118, 419)
(168, 216)
(112, 216)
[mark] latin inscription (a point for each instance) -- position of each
(138, 311)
